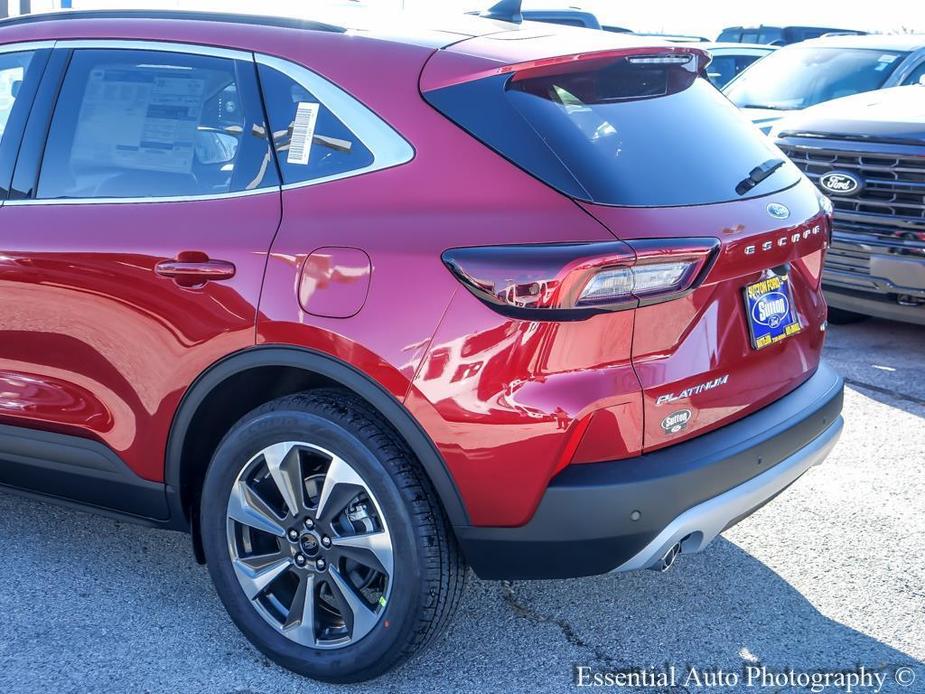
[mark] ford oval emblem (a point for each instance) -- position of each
(839, 183)
(778, 211)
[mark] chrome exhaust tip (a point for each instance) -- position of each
(665, 563)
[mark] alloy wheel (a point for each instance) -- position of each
(309, 545)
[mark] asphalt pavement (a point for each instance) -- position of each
(828, 578)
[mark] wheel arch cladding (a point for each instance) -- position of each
(265, 373)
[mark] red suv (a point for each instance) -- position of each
(358, 307)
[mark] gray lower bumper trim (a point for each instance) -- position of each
(699, 526)
(870, 304)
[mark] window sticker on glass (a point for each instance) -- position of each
(303, 132)
(885, 61)
(140, 119)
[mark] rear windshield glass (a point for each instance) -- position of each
(647, 135)
(797, 77)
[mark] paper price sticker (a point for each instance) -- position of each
(303, 132)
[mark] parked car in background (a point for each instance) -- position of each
(729, 59)
(572, 18)
(587, 20)
(616, 29)
(675, 38)
(867, 154)
(508, 9)
(610, 351)
(584, 20)
(809, 73)
(779, 36)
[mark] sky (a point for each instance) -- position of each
(701, 17)
(708, 17)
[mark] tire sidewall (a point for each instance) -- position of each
(387, 640)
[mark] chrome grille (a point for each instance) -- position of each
(885, 219)
(894, 185)
(848, 264)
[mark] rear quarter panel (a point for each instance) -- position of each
(454, 192)
(501, 399)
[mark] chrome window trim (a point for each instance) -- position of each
(154, 45)
(388, 148)
(142, 201)
(22, 46)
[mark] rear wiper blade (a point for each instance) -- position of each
(758, 174)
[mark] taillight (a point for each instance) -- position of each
(828, 210)
(572, 281)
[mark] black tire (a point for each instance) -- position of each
(428, 573)
(839, 316)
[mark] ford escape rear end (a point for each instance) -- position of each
(496, 294)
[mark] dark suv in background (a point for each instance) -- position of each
(779, 36)
(867, 153)
(569, 18)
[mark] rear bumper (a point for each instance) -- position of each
(873, 304)
(876, 274)
(626, 514)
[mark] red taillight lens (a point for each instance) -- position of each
(828, 212)
(574, 281)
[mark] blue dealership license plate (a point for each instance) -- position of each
(769, 309)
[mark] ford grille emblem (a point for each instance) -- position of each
(778, 211)
(839, 183)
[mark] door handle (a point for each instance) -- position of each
(194, 269)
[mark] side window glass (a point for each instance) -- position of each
(915, 77)
(155, 124)
(721, 69)
(311, 142)
(743, 61)
(13, 67)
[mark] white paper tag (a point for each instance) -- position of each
(303, 131)
(131, 119)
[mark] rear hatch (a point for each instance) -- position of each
(641, 141)
(695, 357)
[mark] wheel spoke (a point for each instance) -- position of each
(341, 485)
(300, 623)
(257, 572)
(246, 507)
(359, 618)
(373, 550)
(285, 468)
